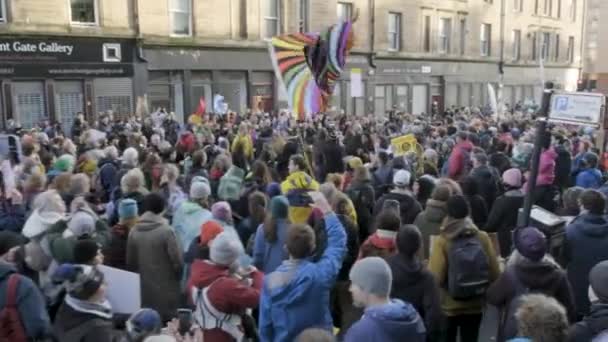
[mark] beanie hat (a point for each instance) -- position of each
(372, 275)
(512, 177)
(80, 281)
(221, 211)
(8, 240)
(355, 162)
(143, 322)
(85, 250)
(279, 207)
(409, 240)
(199, 189)
(127, 209)
(81, 223)
(65, 163)
(402, 178)
(273, 189)
(225, 249)
(209, 231)
(531, 243)
(598, 279)
(458, 207)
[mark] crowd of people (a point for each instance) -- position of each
(258, 227)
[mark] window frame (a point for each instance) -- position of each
(427, 40)
(349, 10)
(573, 10)
(79, 23)
(445, 36)
(463, 36)
(303, 15)
(570, 54)
(547, 7)
(190, 21)
(396, 31)
(518, 6)
(545, 49)
(485, 32)
(266, 18)
(4, 17)
(557, 47)
(516, 47)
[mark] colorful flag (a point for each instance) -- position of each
(308, 66)
(202, 107)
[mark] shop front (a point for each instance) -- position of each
(55, 78)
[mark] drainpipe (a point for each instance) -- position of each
(372, 32)
(583, 41)
(501, 64)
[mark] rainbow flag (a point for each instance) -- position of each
(308, 66)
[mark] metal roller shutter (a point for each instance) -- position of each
(28, 103)
(115, 94)
(69, 101)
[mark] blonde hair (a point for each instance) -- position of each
(133, 181)
(79, 184)
(541, 319)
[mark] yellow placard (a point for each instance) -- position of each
(403, 144)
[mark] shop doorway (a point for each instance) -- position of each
(69, 101)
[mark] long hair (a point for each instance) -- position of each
(260, 172)
(257, 207)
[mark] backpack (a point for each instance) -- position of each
(508, 323)
(11, 328)
(468, 268)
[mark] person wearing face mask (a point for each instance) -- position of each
(585, 244)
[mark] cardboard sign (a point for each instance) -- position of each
(404, 144)
(123, 292)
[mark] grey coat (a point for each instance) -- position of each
(154, 252)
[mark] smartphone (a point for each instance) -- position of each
(184, 316)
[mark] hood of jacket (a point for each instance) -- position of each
(299, 181)
(435, 211)
(150, 221)
(406, 271)
(592, 225)
(455, 227)
(190, 208)
(6, 269)
(539, 275)
(597, 320)
(395, 318)
(105, 161)
(203, 273)
(38, 223)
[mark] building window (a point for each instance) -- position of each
(556, 56)
(546, 47)
(534, 39)
(516, 44)
(571, 49)
(547, 7)
(303, 16)
(345, 11)
(573, 10)
(485, 39)
(427, 34)
(463, 36)
(559, 9)
(82, 11)
(2, 11)
(394, 31)
(488, 1)
(445, 33)
(518, 5)
(181, 17)
(271, 19)
(536, 6)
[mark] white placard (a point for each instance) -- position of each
(576, 108)
(356, 83)
(123, 291)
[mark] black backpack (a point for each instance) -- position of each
(468, 268)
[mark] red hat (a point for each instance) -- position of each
(209, 230)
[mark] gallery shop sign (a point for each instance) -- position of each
(80, 70)
(84, 50)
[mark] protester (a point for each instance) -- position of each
(361, 193)
(295, 187)
(585, 245)
(430, 220)
(170, 190)
(270, 238)
(570, 199)
(382, 242)
(191, 213)
(257, 203)
(385, 319)
(459, 163)
(409, 207)
(282, 317)
(486, 178)
(541, 319)
(142, 324)
(479, 209)
(589, 177)
(596, 322)
(116, 251)
(154, 252)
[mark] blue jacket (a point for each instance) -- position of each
(268, 256)
(187, 222)
(12, 217)
(585, 245)
(387, 323)
(30, 304)
(296, 296)
(589, 179)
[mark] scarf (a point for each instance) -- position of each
(103, 309)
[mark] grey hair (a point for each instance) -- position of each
(50, 201)
(111, 152)
(130, 157)
(80, 184)
(133, 181)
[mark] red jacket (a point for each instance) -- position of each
(456, 166)
(228, 294)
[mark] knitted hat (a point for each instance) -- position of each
(402, 178)
(598, 279)
(85, 251)
(209, 231)
(279, 207)
(221, 211)
(512, 177)
(8, 240)
(127, 209)
(225, 249)
(199, 189)
(65, 163)
(531, 243)
(458, 207)
(80, 281)
(81, 223)
(143, 322)
(372, 275)
(273, 189)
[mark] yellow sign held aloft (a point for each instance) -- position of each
(403, 144)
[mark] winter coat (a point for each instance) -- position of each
(479, 210)
(438, 265)
(194, 172)
(296, 296)
(414, 284)
(546, 168)
(544, 277)
(247, 144)
(429, 222)
(503, 218)
(589, 179)
(154, 252)
(333, 157)
(487, 180)
(115, 253)
(30, 303)
(456, 164)
(94, 323)
(107, 173)
(363, 197)
(12, 216)
(267, 256)
(187, 222)
(389, 322)
(231, 184)
(408, 205)
(226, 293)
(295, 188)
(592, 325)
(585, 245)
(382, 179)
(62, 247)
(563, 166)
